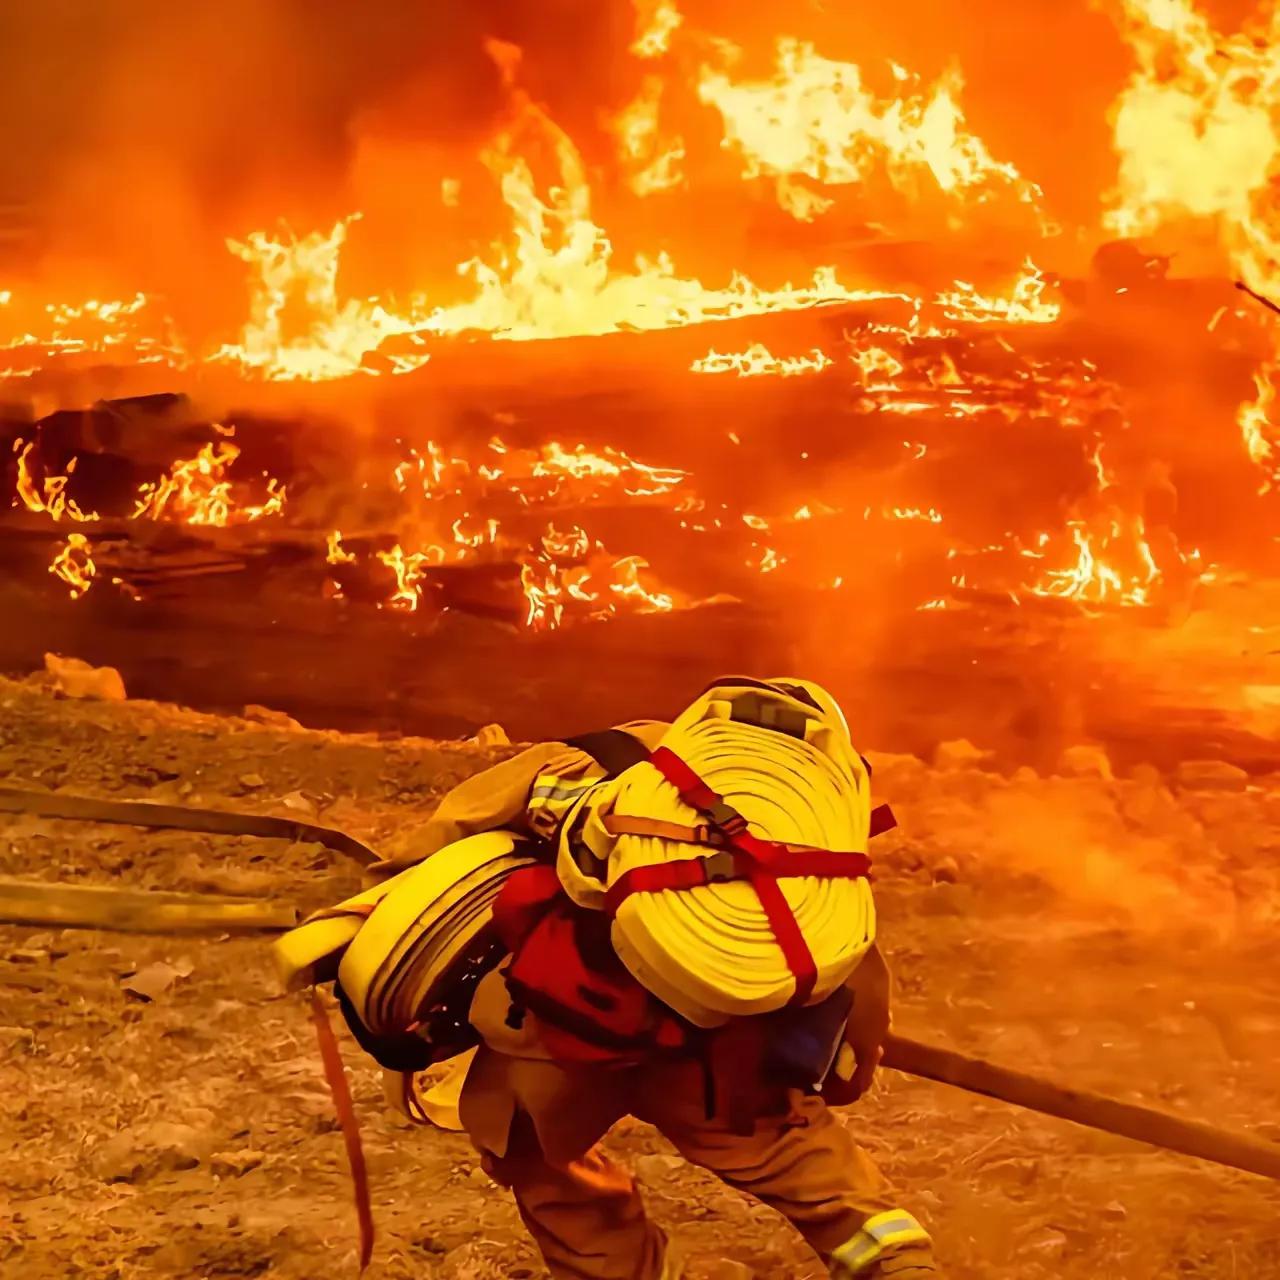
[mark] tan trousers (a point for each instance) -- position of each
(538, 1125)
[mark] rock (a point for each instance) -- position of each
(17, 1038)
(729, 1269)
(1085, 761)
(252, 781)
(28, 955)
(272, 719)
(651, 1168)
(492, 735)
(143, 1151)
(298, 802)
(154, 980)
(478, 1178)
(946, 900)
(959, 754)
(1145, 775)
(1211, 775)
(1115, 1211)
(76, 679)
(946, 871)
(234, 1164)
(1050, 1244)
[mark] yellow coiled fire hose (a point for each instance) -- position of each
(397, 948)
(709, 952)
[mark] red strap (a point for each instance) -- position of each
(693, 791)
(882, 820)
(760, 862)
(331, 1057)
(782, 920)
(688, 873)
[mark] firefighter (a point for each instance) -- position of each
(733, 1064)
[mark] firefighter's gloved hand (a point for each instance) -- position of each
(864, 1033)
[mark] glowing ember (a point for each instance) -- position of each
(47, 496)
(129, 331)
(1115, 566)
(575, 573)
(335, 553)
(928, 514)
(580, 462)
(1025, 304)
(758, 360)
(73, 563)
(628, 586)
(197, 492)
(816, 118)
(408, 569)
(877, 366)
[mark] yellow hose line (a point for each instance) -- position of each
(394, 947)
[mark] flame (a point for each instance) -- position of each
(628, 586)
(758, 360)
(559, 279)
(197, 492)
(656, 22)
(128, 330)
(409, 569)
(649, 163)
(580, 463)
(74, 564)
(1115, 563)
(877, 366)
(1258, 427)
(1025, 304)
(335, 553)
(574, 570)
(47, 496)
(930, 515)
(1093, 579)
(1196, 129)
(572, 544)
(817, 119)
(297, 327)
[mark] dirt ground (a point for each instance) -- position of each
(1119, 935)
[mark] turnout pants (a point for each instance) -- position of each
(538, 1125)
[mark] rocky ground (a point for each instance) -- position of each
(1116, 934)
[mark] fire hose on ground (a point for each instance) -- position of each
(931, 1062)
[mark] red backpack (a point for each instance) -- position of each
(564, 971)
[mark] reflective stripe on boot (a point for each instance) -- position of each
(878, 1236)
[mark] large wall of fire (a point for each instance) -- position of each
(689, 169)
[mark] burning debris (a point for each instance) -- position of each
(666, 427)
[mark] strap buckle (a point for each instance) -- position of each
(725, 817)
(720, 867)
